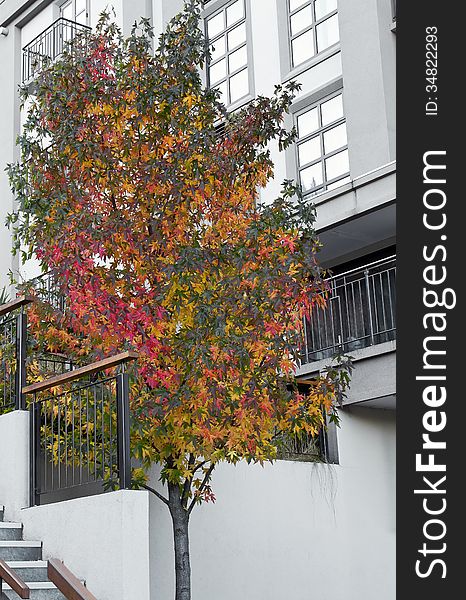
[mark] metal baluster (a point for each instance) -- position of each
(45, 449)
(33, 448)
(52, 436)
(102, 408)
(87, 437)
(123, 438)
(80, 439)
(95, 429)
(382, 296)
(21, 348)
(65, 410)
(392, 312)
(371, 329)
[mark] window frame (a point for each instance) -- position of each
(62, 5)
(212, 8)
(313, 27)
(303, 106)
(288, 71)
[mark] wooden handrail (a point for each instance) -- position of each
(100, 365)
(68, 584)
(14, 304)
(13, 580)
(302, 381)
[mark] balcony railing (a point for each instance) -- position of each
(80, 438)
(80, 432)
(46, 287)
(360, 312)
(13, 328)
(49, 45)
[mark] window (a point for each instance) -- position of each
(228, 69)
(75, 10)
(313, 27)
(306, 447)
(322, 146)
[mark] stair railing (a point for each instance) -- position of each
(80, 432)
(13, 336)
(68, 584)
(8, 576)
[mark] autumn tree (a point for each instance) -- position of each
(153, 225)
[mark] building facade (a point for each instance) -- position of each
(295, 529)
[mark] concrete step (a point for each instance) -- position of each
(40, 590)
(30, 570)
(11, 531)
(20, 550)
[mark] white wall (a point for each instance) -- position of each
(295, 530)
(102, 539)
(14, 462)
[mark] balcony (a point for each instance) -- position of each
(360, 312)
(48, 46)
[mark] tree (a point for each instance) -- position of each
(152, 224)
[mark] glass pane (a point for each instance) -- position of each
(337, 165)
(218, 71)
(308, 122)
(215, 25)
(239, 85)
(309, 151)
(327, 33)
(294, 4)
(324, 7)
(237, 36)
(222, 88)
(339, 183)
(81, 18)
(303, 47)
(335, 138)
(332, 110)
(218, 48)
(238, 59)
(67, 11)
(301, 20)
(235, 12)
(311, 177)
(80, 6)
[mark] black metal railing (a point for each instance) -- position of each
(47, 289)
(54, 364)
(360, 312)
(13, 340)
(8, 364)
(80, 432)
(49, 45)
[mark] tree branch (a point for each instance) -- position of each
(205, 481)
(159, 496)
(187, 483)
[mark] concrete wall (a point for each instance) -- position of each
(102, 539)
(368, 67)
(9, 127)
(295, 530)
(14, 462)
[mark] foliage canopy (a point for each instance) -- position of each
(154, 228)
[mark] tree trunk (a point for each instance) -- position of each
(180, 519)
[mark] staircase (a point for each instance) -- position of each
(25, 558)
